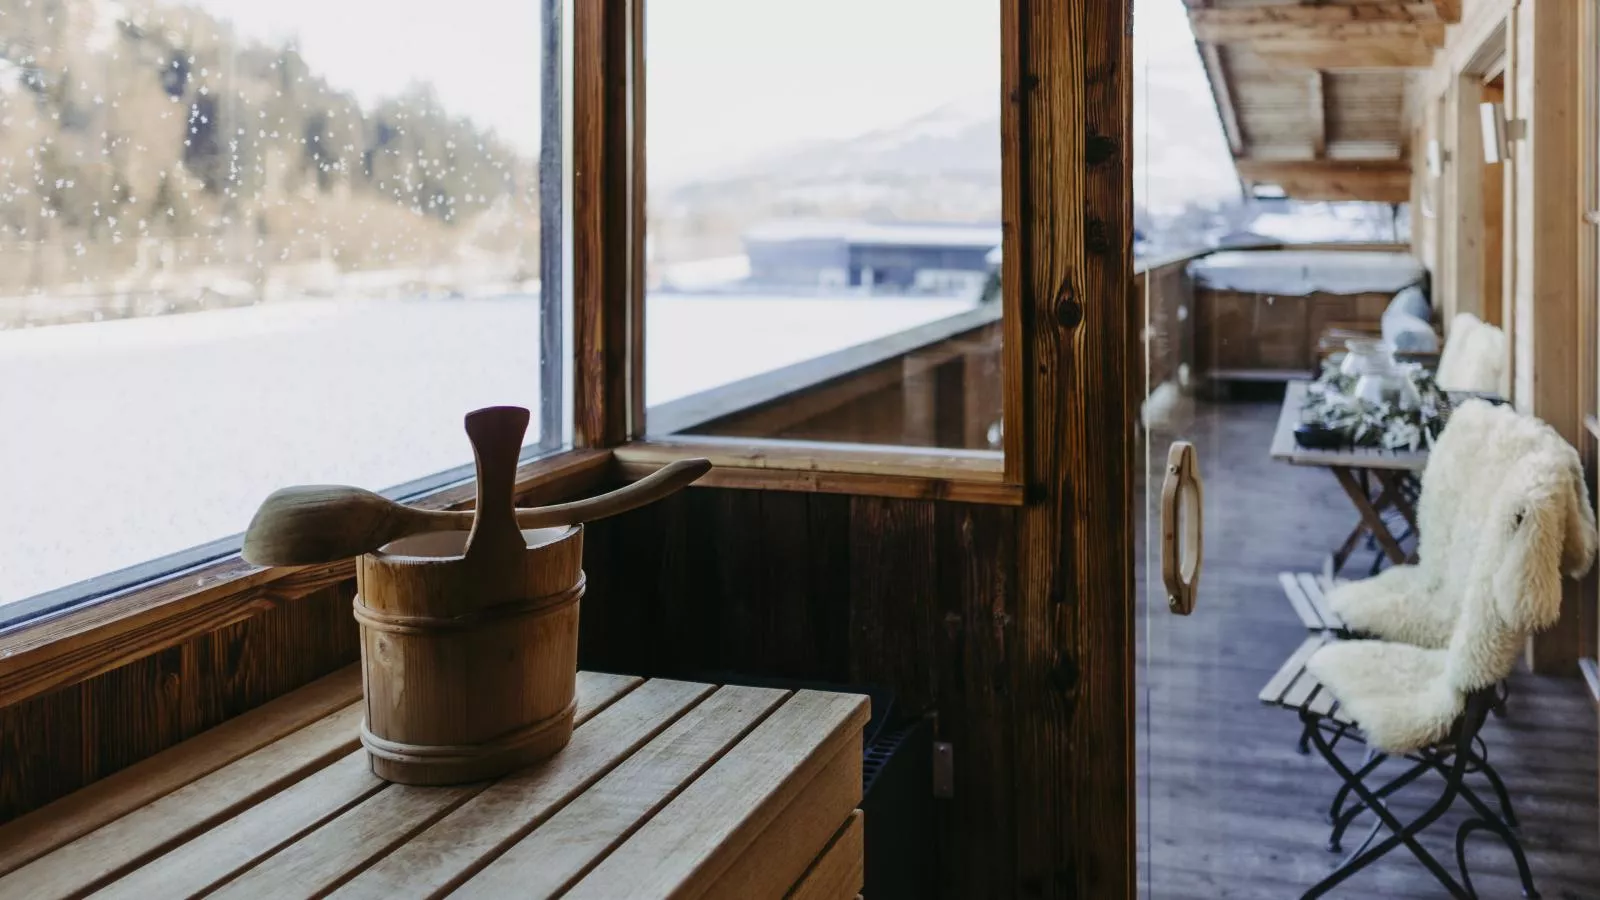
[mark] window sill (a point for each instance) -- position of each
(100, 635)
(913, 473)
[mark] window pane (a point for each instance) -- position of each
(824, 229)
(250, 244)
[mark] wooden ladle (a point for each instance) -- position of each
(313, 524)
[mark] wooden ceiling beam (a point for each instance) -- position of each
(1222, 93)
(1383, 181)
(1318, 110)
(1211, 28)
(1374, 12)
(1341, 55)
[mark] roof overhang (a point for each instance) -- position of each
(1312, 98)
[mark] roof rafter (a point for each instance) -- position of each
(1387, 181)
(1333, 55)
(1272, 23)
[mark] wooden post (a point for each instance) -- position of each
(1546, 336)
(1072, 671)
(603, 145)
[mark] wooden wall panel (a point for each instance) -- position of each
(56, 742)
(1547, 359)
(909, 595)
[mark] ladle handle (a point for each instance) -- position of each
(658, 484)
(496, 434)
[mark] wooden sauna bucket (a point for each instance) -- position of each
(468, 663)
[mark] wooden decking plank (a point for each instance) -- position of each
(693, 841)
(29, 837)
(839, 871)
(454, 848)
(375, 825)
(1285, 676)
(1319, 600)
(219, 854)
(773, 863)
(93, 859)
(1297, 599)
(571, 842)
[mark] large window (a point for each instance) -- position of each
(248, 244)
(824, 220)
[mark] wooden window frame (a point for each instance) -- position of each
(609, 112)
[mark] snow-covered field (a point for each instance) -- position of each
(125, 440)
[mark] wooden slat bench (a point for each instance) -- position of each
(668, 788)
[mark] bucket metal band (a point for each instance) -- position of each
(508, 744)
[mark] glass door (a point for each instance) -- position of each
(1299, 366)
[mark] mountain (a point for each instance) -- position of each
(942, 165)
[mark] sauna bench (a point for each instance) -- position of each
(668, 789)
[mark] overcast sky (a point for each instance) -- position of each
(729, 79)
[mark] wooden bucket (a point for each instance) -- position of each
(469, 642)
(469, 670)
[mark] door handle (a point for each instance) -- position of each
(1182, 527)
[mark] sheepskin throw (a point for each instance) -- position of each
(1478, 450)
(1474, 357)
(1503, 514)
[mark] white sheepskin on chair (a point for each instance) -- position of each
(1474, 357)
(1480, 448)
(1398, 694)
(1520, 520)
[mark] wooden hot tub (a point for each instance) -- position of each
(1258, 313)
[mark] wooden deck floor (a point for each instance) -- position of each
(1229, 809)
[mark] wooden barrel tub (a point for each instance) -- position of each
(469, 663)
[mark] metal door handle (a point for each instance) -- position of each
(1182, 527)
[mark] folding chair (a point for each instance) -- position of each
(1326, 723)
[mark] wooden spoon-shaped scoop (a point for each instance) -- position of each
(314, 524)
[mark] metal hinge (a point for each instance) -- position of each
(944, 770)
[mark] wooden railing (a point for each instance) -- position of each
(937, 385)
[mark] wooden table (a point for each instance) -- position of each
(668, 789)
(1373, 478)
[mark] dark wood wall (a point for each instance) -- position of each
(906, 594)
(56, 742)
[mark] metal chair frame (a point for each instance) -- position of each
(1454, 758)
